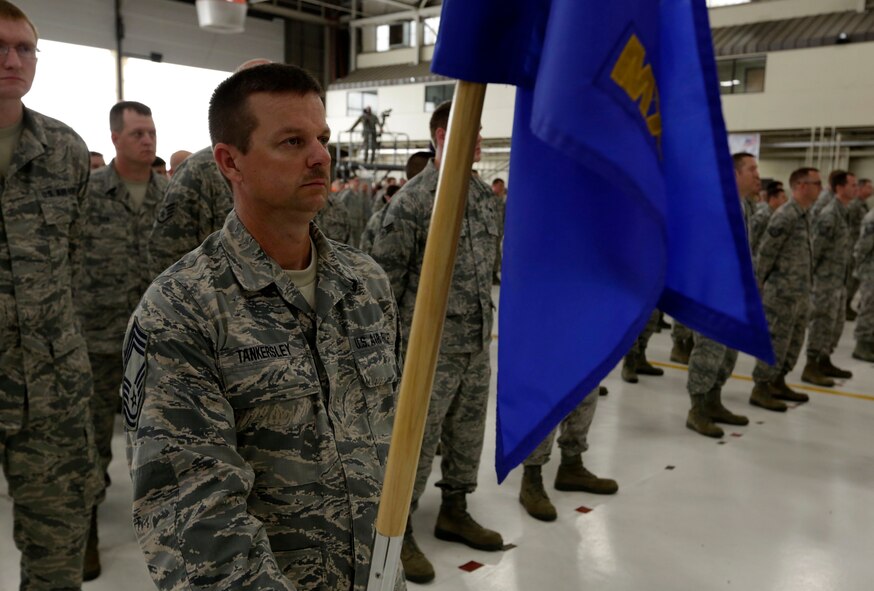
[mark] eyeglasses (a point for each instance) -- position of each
(24, 51)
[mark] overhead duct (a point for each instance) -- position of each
(221, 16)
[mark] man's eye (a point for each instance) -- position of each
(293, 141)
(324, 140)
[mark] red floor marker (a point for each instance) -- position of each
(470, 566)
(737, 434)
(583, 509)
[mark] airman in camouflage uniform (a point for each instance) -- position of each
(635, 361)
(195, 204)
(376, 220)
(764, 211)
(784, 273)
(333, 219)
(461, 385)
(571, 474)
(258, 404)
(356, 204)
(856, 213)
(115, 275)
(46, 439)
(832, 252)
(863, 254)
(711, 363)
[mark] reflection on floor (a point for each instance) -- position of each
(782, 504)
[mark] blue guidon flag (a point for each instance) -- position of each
(622, 193)
(134, 383)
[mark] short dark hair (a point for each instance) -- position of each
(839, 178)
(800, 174)
(499, 180)
(863, 182)
(439, 119)
(116, 113)
(93, 153)
(738, 159)
(158, 162)
(774, 189)
(230, 119)
(416, 163)
(10, 12)
(392, 189)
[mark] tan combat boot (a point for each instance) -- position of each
(533, 497)
(629, 366)
(417, 567)
(763, 396)
(782, 391)
(454, 524)
(813, 373)
(828, 369)
(573, 476)
(714, 409)
(698, 420)
(681, 351)
(91, 569)
(864, 351)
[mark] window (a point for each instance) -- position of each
(394, 35)
(741, 75)
(356, 100)
(432, 25)
(436, 94)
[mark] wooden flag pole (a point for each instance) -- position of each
(426, 332)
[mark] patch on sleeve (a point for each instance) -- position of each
(167, 212)
(133, 386)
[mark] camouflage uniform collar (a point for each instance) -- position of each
(797, 206)
(255, 270)
(32, 143)
(114, 180)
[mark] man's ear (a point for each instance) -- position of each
(226, 157)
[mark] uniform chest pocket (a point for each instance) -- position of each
(281, 423)
(378, 370)
(57, 212)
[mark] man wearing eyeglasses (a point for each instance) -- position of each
(832, 248)
(785, 276)
(46, 443)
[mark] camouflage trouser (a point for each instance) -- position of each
(710, 365)
(852, 288)
(639, 346)
(864, 331)
(49, 465)
(574, 430)
(457, 417)
(679, 332)
(787, 322)
(108, 373)
(828, 312)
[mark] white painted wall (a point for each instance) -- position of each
(824, 86)
(754, 12)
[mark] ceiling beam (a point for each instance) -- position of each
(393, 17)
(293, 14)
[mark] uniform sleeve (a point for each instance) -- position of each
(775, 236)
(865, 244)
(822, 237)
(175, 231)
(190, 484)
(76, 250)
(395, 247)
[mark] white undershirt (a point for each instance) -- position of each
(305, 279)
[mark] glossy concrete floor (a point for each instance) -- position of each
(784, 504)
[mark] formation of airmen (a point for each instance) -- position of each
(811, 253)
(249, 319)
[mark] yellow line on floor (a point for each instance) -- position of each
(828, 391)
